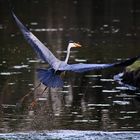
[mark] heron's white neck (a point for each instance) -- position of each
(68, 54)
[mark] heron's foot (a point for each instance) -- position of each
(33, 104)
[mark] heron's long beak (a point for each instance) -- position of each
(77, 45)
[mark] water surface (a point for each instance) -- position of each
(88, 101)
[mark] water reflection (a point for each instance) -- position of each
(88, 101)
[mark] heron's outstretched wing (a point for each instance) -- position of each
(43, 52)
(87, 67)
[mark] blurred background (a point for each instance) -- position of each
(108, 30)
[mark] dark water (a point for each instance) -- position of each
(108, 31)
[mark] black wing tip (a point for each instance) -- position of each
(13, 14)
(19, 23)
(127, 62)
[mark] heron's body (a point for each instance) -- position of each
(51, 77)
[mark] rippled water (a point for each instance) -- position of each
(73, 135)
(88, 101)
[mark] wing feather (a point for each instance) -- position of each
(81, 67)
(43, 52)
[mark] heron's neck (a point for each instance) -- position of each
(68, 54)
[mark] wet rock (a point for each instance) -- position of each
(132, 74)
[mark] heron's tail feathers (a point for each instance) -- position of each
(49, 78)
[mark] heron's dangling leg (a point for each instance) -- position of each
(34, 102)
(25, 96)
(44, 90)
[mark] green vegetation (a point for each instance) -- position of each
(135, 66)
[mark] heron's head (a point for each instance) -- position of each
(73, 45)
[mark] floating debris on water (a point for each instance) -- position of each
(127, 87)
(47, 29)
(20, 66)
(115, 31)
(11, 84)
(67, 86)
(132, 112)
(5, 73)
(85, 121)
(105, 25)
(41, 99)
(34, 61)
(97, 86)
(98, 105)
(125, 117)
(92, 76)
(111, 91)
(57, 114)
(81, 60)
(128, 112)
(116, 20)
(79, 116)
(34, 23)
(3, 62)
(64, 91)
(12, 35)
(107, 80)
(121, 102)
(74, 113)
(8, 106)
(128, 34)
(80, 121)
(126, 95)
(9, 73)
(30, 84)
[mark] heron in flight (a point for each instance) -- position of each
(51, 77)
